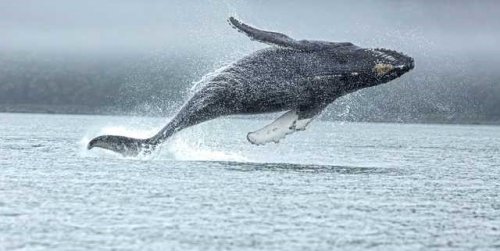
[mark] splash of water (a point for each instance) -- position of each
(197, 85)
(186, 149)
(189, 145)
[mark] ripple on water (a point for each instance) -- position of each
(334, 186)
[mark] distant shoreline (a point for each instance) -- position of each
(113, 111)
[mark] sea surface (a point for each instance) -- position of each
(350, 186)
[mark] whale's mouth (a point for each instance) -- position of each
(399, 67)
(386, 56)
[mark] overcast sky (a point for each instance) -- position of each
(455, 44)
(422, 27)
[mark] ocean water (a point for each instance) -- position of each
(334, 186)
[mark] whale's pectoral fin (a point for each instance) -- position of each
(282, 40)
(269, 37)
(123, 145)
(289, 122)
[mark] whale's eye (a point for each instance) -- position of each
(382, 69)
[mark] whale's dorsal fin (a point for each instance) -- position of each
(282, 40)
(288, 123)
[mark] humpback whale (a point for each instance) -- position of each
(298, 77)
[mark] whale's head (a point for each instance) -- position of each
(385, 65)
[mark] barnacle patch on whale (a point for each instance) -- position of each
(382, 69)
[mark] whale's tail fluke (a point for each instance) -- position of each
(123, 145)
(203, 106)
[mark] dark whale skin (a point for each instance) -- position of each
(304, 76)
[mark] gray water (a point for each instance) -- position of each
(337, 185)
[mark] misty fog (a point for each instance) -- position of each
(141, 57)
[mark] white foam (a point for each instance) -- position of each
(183, 148)
(188, 145)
